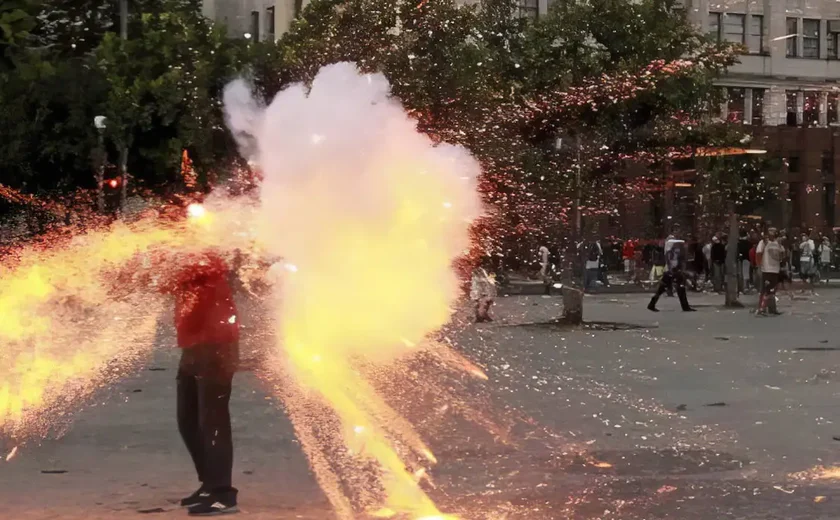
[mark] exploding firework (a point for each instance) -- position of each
(371, 215)
(367, 215)
(82, 313)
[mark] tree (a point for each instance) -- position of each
(163, 92)
(17, 20)
(613, 75)
(733, 182)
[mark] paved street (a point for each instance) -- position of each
(705, 415)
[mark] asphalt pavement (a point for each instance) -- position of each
(707, 415)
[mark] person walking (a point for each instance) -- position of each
(628, 254)
(743, 262)
(707, 261)
(674, 276)
(545, 269)
(593, 264)
(657, 259)
(772, 257)
(718, 253)
(807, 252)
(207, 327)
(825, 251)
(483, 292)
(603, 264)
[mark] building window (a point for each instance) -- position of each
(833, 106)
(827, 165)
(269, 14)
(733, 28)
(832, 39)
(714, 26)
(794, 196)
(735, 104)
(829, 203)
(792, 37)
(791, 102)
(810, 38)
(793, 164)
(756, 42)
(529, 9)
(811, 109)
(758, 106)
(255, 26)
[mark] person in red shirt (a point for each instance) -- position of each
(207, 329)
(628, 253)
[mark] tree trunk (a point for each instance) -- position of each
(123, 171)
(732, 260)
(572, 305)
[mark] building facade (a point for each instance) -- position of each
(787, 89)
(260, 20)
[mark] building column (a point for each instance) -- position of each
(775, 106)
(823, 34)
(800, 41)
(748, 106)
(800, 107)
(823, 108)
(542, 7)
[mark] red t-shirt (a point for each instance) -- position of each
(629, 249)
(205, 313)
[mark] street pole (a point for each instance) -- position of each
(577, 192)
(100, 123)
(123, 164)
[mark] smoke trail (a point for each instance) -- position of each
(243, 114)
(369, 215)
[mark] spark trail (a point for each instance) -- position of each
(81, 314)
(369, 215)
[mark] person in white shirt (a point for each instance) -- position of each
(545, 268)
(806, 258)
(825, 259)
(772, 256)
(483, 292)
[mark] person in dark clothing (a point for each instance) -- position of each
(674, 275)
(718, 263)
(208, 333)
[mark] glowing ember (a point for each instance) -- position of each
(82, 314)
(196, 211)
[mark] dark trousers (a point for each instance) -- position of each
(590, 276)
(767, 300)
(669, 280)
(205, 377)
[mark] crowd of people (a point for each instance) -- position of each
(807, 256)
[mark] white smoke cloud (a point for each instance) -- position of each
(243, 114)
(368, 216)
(342, 158)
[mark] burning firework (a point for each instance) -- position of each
(367, 215)
(371, 215)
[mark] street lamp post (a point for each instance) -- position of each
(100, 123)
